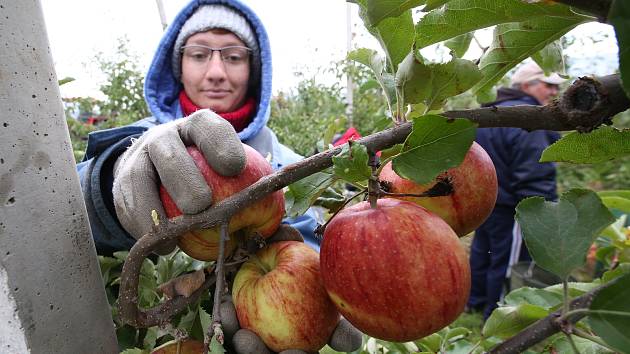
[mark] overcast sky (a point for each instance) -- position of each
(304, 35)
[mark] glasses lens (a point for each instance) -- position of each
(197, 53)
(234, 55)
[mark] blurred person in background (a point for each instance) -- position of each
(497, 244)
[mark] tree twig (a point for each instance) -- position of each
(548, 326)
(584, 106)
(215, 328)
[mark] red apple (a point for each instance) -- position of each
(262, 217)
(278, 294)
(397, 272)
(474, 184)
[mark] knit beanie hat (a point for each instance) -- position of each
(208, 17)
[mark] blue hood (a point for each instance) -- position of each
(161, 88)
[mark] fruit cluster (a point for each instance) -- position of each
(396, 271)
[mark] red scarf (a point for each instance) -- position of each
(239, 118)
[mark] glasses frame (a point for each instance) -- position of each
(220, 50)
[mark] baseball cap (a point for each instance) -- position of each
(531, 71)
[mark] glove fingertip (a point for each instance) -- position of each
(229, 319)
(346, 337)
(247, 342)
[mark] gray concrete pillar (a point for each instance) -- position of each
(52, 298)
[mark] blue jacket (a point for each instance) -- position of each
(161, 92)
(515, 153)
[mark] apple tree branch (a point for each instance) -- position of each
(586, 104)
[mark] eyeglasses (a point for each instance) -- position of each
(232, 55)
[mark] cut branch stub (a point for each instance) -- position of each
(587, 99)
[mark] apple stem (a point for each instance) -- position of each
(373, 183)
(215, 327)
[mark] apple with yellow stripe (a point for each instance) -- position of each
(397, 271)
(278, 294)
(261, 218)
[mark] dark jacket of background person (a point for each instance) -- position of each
(497, 243)
(515, 154)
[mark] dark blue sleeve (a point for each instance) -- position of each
(96, 177)
(306, 224)
(530, 177)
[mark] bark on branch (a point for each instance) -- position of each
(585, 105)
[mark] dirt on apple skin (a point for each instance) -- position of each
(473, 196)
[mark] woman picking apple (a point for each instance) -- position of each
(209, 85)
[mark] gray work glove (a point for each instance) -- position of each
(160, 156)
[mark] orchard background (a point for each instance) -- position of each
(535, 29)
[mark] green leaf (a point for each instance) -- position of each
(449, 21)
(550, 58)
(367, 57)
(396, 35)
(559, 234)
(515, 42)
(507, 321)
(433, 4)
(455, 334)
(618, 203)
(352, 163)
(187, 320)
(206, 320)
(374, 61)
(575, 288)
(539, 297)
(303, 193)
(619, 17)
(431, 84)
(434, 145)
(620, 270)
(431, 342)
(216, 347)
(584, 346)
(151, 337)
(614, 329)
(602, 144)
(126, 336)
(377, 10)
(66, 80)
(134, 351)
(107, 264)
(391, 152)
(622, 193)
(459, 45)
(122, 255)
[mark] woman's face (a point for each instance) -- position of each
(215, 80)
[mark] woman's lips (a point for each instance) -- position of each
(215, 93)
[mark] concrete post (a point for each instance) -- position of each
(52, 298)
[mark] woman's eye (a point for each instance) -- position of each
(199, 56)
(233, 58)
